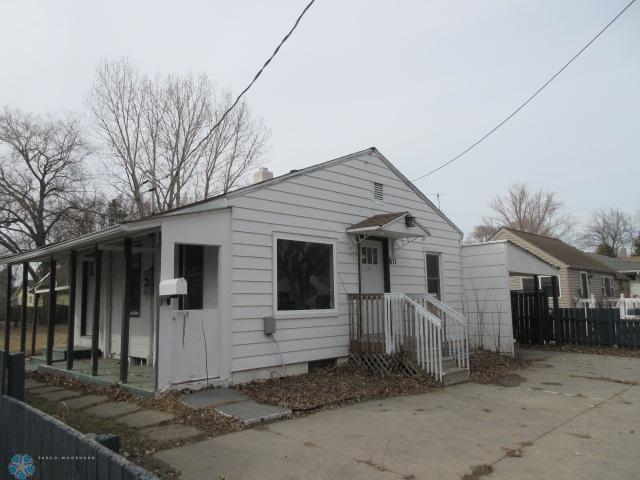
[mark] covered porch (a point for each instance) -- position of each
(111, 290)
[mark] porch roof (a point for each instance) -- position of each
(84, 241)
(391, 225)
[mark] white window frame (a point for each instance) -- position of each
(549, 276)
(304, 313)
(604, 293)
(586, 274)
(426, 273)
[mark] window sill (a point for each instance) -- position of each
(285, 314)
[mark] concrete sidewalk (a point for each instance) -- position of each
(553, 422)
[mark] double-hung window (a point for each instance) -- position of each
(607, 287)
(434, 283)
(584, 285)
(304, 275)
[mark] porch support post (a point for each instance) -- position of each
(95, 329)
(34, 317)
(23, 325)
(71, 316)
(7, 325)
(51, 321)
(126, 311)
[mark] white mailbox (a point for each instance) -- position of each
(173, 288)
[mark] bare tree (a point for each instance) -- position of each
(533, 211)
(117, 101)
(235, 147)
(42, 179)
(609, 232)
(483, 232)
(157, 132)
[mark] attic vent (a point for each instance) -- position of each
(378, 193)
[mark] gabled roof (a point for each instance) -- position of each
(620, 264)
(202, 204)
(213, 203)
(561, 251)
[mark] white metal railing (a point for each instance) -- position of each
(413, 329)
(454, 327)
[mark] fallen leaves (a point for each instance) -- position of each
(335, 385)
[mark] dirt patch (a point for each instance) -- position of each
(510, 380)
(333, 386)
(60, 337)
(612, 351)
(490, 367)
(478, 471)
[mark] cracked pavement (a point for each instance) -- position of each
(570, 416)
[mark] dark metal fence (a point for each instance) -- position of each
(49, 449)
(536, 324)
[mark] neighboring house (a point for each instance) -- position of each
(580, 275)
(291, 247)
(41, 289)
(628, 269)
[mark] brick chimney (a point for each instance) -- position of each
(262, 174)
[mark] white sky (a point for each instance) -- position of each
(420, 80)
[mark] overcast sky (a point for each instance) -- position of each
(419, 80)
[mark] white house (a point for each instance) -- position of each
(278, 274)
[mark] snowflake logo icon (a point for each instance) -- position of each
(21, 466)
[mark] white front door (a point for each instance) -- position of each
(371, 267)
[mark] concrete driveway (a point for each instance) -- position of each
(571, 416)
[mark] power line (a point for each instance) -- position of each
(257, 75)
(535, 94)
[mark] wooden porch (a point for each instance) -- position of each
(394, 332)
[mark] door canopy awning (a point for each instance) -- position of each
(390, 225)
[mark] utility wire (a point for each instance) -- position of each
(535, 94)
(257, 75)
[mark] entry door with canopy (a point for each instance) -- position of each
(371, 267)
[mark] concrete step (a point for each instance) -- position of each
(42, 359)
(455, 375)
(449, 362)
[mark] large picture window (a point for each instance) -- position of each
(305, 275)
(433, 275)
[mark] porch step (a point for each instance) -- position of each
(59, 354)
(451, 376)
(449, 362)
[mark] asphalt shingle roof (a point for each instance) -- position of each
(620, 264)
(570, 256)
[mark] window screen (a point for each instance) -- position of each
(305, 275)
(433, 275)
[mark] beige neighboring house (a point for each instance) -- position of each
(580, 274)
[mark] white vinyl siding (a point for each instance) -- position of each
(324, 203)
